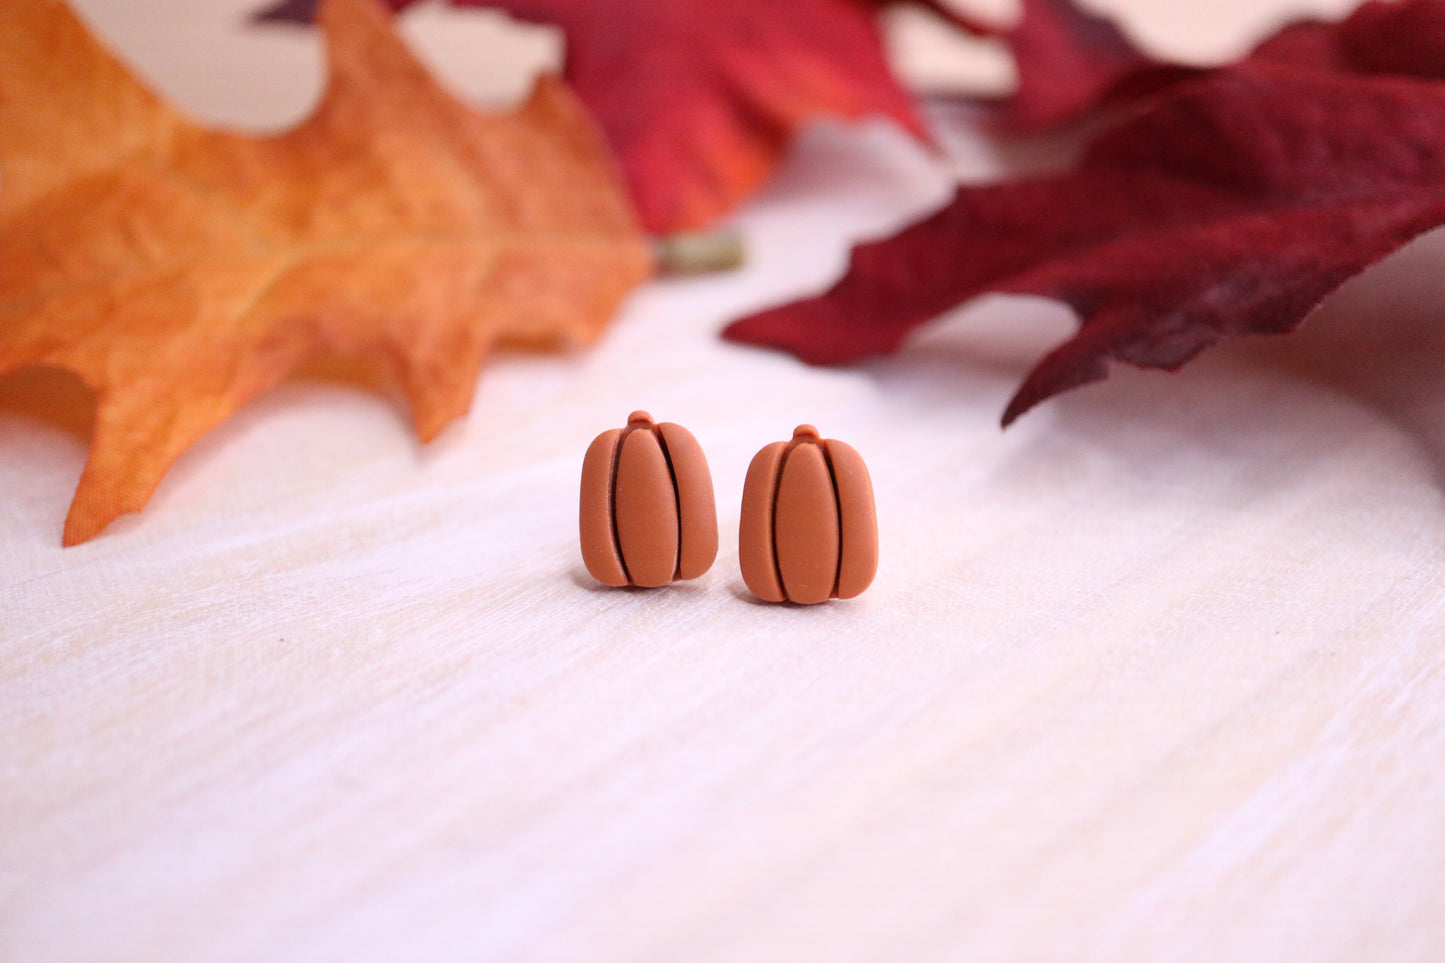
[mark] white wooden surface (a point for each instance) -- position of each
(1158, 674)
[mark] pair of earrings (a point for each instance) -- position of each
(808, 530)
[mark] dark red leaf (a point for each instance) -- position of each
(1232, 207)
(1404, 39)
(699, 98)
(1072, 63)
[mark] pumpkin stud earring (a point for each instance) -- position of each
(647, 514)
(809, 532)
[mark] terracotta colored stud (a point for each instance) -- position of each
(808, 531)
(647, 513)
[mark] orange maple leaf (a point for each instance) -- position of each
(179, 270)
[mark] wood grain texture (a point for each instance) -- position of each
(1159, 674)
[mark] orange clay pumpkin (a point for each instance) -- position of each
(808, 530)
(647, 513)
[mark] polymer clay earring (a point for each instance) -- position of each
(808, 531)
(647, 514)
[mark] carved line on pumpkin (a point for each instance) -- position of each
(773, 517)
(838, 510)
(676, 497)
(794, 442)
(612, 504)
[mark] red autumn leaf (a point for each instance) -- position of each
(1071, 62)
(1232, 207)
(699, 98)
